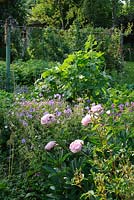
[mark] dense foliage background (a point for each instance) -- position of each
(66, 124)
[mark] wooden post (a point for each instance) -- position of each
(8, 41)
(113, 12)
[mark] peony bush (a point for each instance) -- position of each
(57, 150)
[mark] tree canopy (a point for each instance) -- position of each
(62, 13)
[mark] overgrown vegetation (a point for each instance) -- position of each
(66, 128)
(101, 167)
(80, 75)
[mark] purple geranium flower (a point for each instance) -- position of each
(113, 106)
(29, 116)
(121, 106)
(68, 111)
(51, 102)
(24, 123)
(88, 101)
(23, 141)
(58, 113)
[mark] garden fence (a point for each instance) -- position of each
(50, 44)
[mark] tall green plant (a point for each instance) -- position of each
(80, 75)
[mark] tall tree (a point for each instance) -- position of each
(15, 8)
(58, 13)
(101, 13)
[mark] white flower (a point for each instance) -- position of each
(108, 112)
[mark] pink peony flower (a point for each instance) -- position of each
(50, 145)
(97, 108)
(76, 146)
(47, 119)
(86, 120)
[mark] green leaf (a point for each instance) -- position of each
(31, 194)
(3, 185)
(46, 73)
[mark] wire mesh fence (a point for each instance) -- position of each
(50, 44)
(53, 44)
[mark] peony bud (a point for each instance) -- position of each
(50, 145)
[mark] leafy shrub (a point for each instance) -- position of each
(120, 94)
(6, 100)
(80, 75)
(22, 73)
(27, 72)
(2, 75)
(109, 42)
(128, 73)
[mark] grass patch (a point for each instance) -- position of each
(129, 73)
(126, 76)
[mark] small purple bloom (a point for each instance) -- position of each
(51, 102)
(32, 110)
(24, 123)
(121, 106)
(118, 114)
(113, 106)
(88, 101)
(45, 113)
(127, 104)
(68, 111)
(40, 95)
(22, 114)
(58, 113)
(29, 116)
(23, 141)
